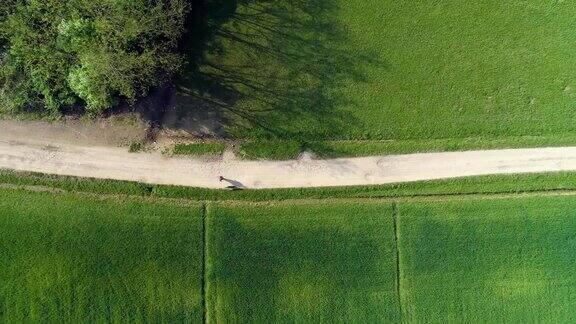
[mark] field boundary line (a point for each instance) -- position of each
(397, 251)
(203, 212)
(409, 198)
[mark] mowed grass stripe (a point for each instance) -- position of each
(328, 262)
(488, 261)
(66, 258)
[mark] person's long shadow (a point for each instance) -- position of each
(270, 70)
(233, 184)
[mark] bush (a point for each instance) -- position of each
(136, 147)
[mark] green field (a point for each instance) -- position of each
(74, 259)
(461, 260)
(488, 261)
(295, 263)
(389, 75)
(430, 253)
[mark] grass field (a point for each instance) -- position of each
(301, 263)
(70, 259)
(388, 74)
(436, 252)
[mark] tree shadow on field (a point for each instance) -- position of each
(267, 69)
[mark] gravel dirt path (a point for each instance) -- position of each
(118, 163)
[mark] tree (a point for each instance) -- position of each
(66, 52)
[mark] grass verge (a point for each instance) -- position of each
(336, 149)
(494, 184)
(270, 150)
(291, 149)
(207, 148)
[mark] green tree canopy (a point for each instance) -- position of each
(59, 53)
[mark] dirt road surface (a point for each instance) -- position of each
(117, 163)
